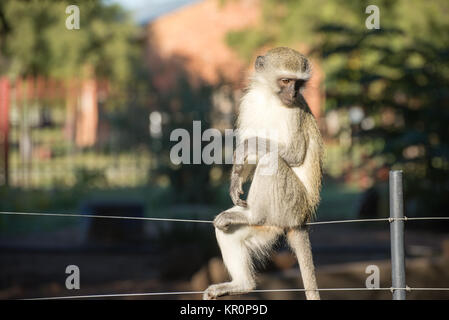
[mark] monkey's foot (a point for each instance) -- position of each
(226, 219)
(222, 221)
(224, 289)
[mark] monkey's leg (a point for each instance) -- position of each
(277, 196)
(237, 259)
(237, 248)
(299, 241)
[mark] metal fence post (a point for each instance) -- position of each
(397, 235)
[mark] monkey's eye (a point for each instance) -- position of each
(285, 81)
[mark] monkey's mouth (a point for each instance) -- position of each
(289, 101)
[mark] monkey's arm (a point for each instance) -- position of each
(295, 154)
(235, 189)
(253, 151)
(240, 174)
(246, 158)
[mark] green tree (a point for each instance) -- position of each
(38, 42)
(184, 104)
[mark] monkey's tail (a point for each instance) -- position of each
(298, 239)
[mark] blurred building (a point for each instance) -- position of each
(195, 36)
(193, 40)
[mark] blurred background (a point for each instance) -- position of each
(86, 117)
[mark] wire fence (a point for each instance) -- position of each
(122, 295)
(81, 215)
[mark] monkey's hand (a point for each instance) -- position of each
(236, 190)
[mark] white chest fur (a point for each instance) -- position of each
(263, 116)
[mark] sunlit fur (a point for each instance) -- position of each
(280, 203)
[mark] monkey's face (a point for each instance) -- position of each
(289, 90)
(285, 71)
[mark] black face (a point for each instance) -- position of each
(289, 90)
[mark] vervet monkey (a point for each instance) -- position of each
(282, 202)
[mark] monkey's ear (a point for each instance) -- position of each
(260, 63)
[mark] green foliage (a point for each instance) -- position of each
(389, 72)
(38, 42)
(191, 182)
